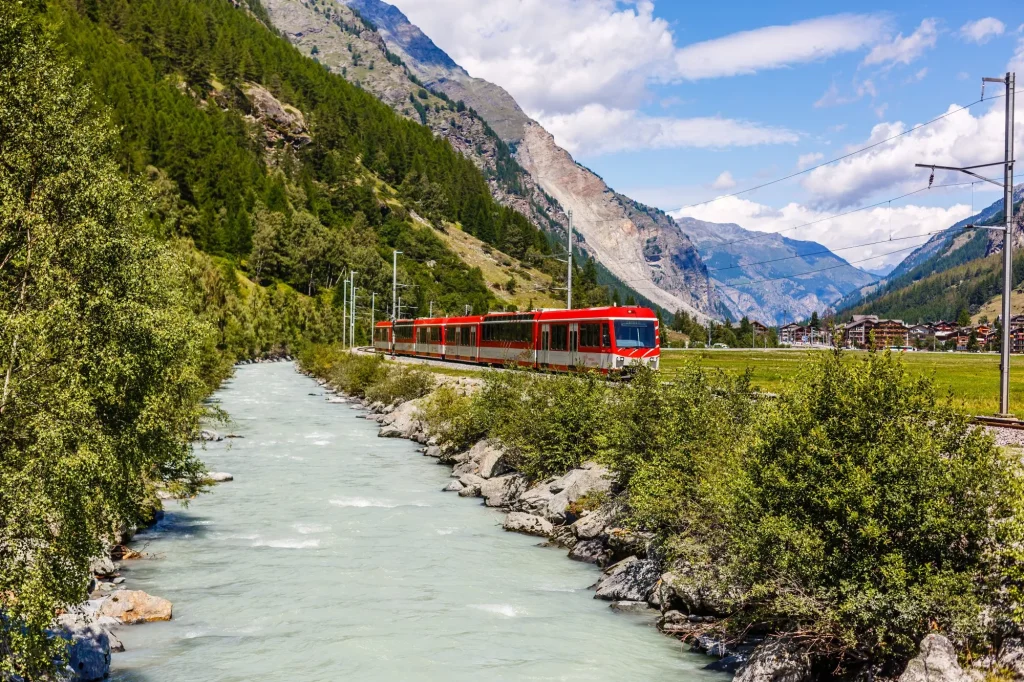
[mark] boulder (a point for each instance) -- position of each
(493, 461)
(1011, 656)
(591, 552)
(936, 662)
(563, 537)
(453, 487)
(432, 451)
(776, 661)
(630, 606)
(103, 567)
(88, 653)
(593, 524)
(135, 606)
(219, 476)
(403, 422)
(210, 435)
(503, 490)
(631, 579)
(690, 593)
(624, 542)
(552, 497)
(519, 522)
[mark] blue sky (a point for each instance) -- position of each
(674, 103)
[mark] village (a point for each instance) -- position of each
(865, 331)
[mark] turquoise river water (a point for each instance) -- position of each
(333, 555)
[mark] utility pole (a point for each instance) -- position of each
(399, 313)
(373, 315)
(569, 284)
(1009, 82)
(431, 313)
(352, 309)
(394, 285)
(709, 308)
(344, 313)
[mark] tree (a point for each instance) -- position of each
(815, 322)
(963, 318)
(99, 351)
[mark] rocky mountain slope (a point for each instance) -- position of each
(737, 259)
(640, 247)
(948, 249)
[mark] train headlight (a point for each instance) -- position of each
(620, 361)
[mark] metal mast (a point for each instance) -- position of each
(569, 284)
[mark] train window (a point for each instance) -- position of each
(590, 335)
(404, 333)
(433, 335)
(509, 329)
(634, 334)
(559, 337)
(467, 336)
(606, 337)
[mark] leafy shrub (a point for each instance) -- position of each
(866, 512)
(453, 419)
(401, 382)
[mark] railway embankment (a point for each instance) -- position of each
(857, 525)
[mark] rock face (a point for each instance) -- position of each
(776, 661)
(936, 662)
(631, 579)
(280, 120)
(135, 606)
(519, 522)
(493, 462)
(551, 498)
(89, 647)
(591, 552)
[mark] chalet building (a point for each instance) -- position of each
(1016, 340)
(885, 332)
(922, 332)
(759, 329)
(793, 333)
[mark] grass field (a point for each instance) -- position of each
(972, 377)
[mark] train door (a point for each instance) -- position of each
(545, 344)
(473, 350)
(574, 346)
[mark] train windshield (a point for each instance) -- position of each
(634, 334)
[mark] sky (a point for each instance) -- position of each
(676, 104)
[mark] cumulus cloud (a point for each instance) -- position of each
(876, 224)
(808, 160)
(1017, 61)
(597, 129)
(724, 181)
(960, 139)
(904, 50)
(982, 30)
(773, 47)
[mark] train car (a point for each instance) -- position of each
(430, 342)
(461, 335)
(607, 340)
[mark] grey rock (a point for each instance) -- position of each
(210, 435)
(593, 524)
(432, 451)
(591, 552)
(118, 580)
(552, 498)
(563, 536)
(936, 662)
(403, 422)
(494, 462)
(529, 524)
(631, 579)
(630, 606)
(728, 664)
(471, 490)
(220, 476)
(1011, 656)
(503, 490)
(103, 567)
(453, 487)
(680, 590)
(89, 647)
(776, 661)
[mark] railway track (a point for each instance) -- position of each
(1001, 422)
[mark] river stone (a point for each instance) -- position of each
(591, 552)
(453, 487)
(936, 662)
(630, 606)
(592, 524)
(210, 435)
(432, 451)
(503, 490)
(102, 566)
(777, 661)
(403, 422)
(89, 647)
(493, 461)
(631, 579)
(219, 476)
(552, 497)
(519, 522)
(135, 606)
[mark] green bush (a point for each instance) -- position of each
(866, 513)
(400, 382)
(453, 418)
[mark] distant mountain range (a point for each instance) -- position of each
(758, 274)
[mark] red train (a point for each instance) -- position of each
(604, 339)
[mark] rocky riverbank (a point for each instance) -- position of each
(580, 512)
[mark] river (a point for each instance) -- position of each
(333, 555)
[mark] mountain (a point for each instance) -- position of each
(950, 248)
(637, 246)
(757, 274)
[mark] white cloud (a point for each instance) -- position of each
(982, 30)
(724, 181)
(1017, 61)
(833, 97)
(905, 50)
(918, 77)
(597, 129)
(773, 47)
(872, 225)
(961, 139)
(881, 109)
(808, 160)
